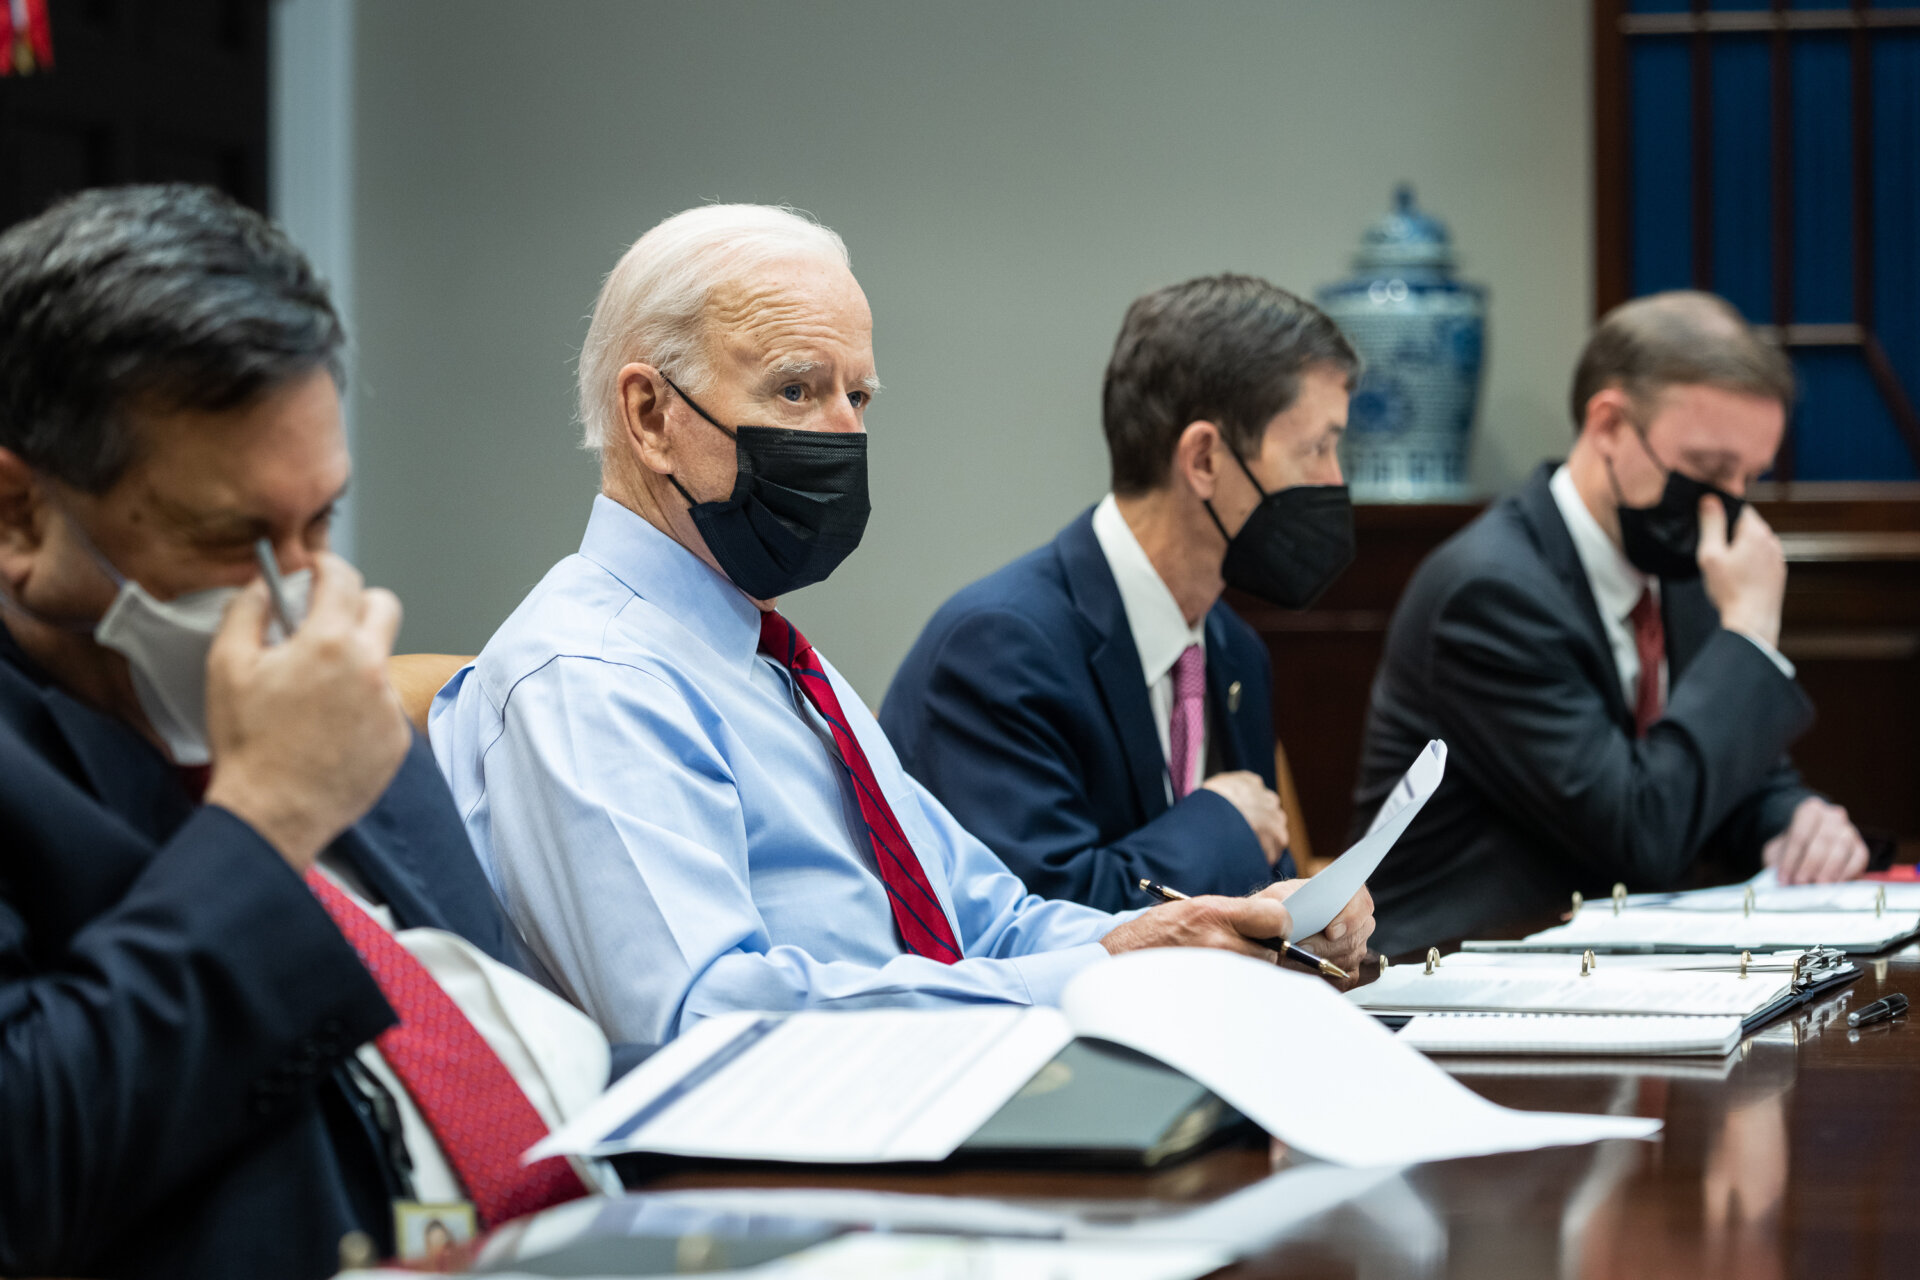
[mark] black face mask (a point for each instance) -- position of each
(1664, 539)
(798, 506)
(1293, 545)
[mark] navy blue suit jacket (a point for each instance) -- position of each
(175, 1007)
(1024, 709)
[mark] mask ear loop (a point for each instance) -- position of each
(1257, 488)
(106, 566)
(1646, 446)
(695, 406)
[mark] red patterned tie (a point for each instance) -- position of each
(922, 923)
(1650, 642)
(469, 1098)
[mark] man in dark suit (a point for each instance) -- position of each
(1093, 711)
(185, 804)
(1599, 652)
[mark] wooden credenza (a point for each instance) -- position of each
(1851, 627)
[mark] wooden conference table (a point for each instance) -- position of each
(1799, 1155)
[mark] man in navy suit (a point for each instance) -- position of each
(183, 1087)
(1094, 711)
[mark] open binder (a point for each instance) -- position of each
(1586, 986)
(1630, 928)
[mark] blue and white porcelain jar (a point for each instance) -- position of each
(1422, 333)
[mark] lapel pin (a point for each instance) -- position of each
(1233, 698)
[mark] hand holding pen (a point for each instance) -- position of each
(305, 733)
(1286, 950)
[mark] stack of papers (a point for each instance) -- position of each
(1534, 1004)
(1571, 1034)
(1484, 989)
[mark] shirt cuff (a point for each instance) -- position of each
(1777, 658)
(1048, 972)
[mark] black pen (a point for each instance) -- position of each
(1299, 955)
(1891, 1007)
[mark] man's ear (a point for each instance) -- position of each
(642, 392)
(1609, 412)
(23, 517)
(1196, 459)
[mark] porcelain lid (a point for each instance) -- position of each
(1406, 237)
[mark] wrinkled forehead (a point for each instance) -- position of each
(1703, 420)
(793, 311)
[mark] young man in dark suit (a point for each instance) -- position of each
(1599, 651)
(1094, 711)
(209, 833)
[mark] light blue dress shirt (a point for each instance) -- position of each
(667, 824)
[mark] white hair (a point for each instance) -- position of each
(653, 305)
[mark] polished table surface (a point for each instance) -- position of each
(1797, 1156)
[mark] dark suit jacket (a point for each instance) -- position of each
(1497, 648)
(175, 1007)
(1024, 709)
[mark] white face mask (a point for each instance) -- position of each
(166, 642)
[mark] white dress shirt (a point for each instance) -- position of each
(554, 1052)
(1160, 630)
(1616, 587)
(653, 800)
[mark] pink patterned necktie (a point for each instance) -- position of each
(1187, 729)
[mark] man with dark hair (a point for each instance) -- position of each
(1599, 652)
(209, 832)
(1094, 711)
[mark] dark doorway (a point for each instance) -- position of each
(140, 91)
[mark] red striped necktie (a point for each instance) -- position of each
(916, 910)
(469, 1099)
(1650, 643)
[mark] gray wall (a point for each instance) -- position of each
(1007, 175)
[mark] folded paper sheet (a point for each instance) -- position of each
(1304, 1064)
(1320, 899)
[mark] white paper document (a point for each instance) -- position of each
(1568, 962)
(1311, 1069)
(1571, 1034)
(869, 1256)
(1770, 895)
(1666, 929)
(855, 1087)
(1317, 902)
(864, 1256)
(888, 1085)
(1466, 989)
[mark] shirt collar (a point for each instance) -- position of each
(1616, 584)
(667, 575)
(1160, 630)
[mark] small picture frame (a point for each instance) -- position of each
(428, 1235)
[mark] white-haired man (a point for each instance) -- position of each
(685, 808)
